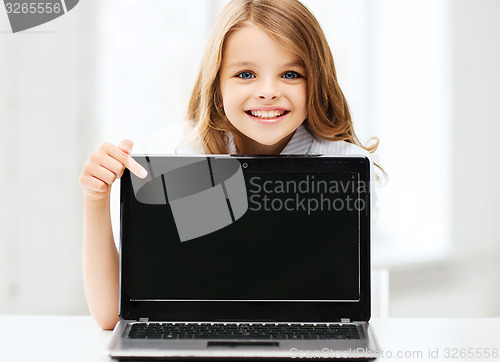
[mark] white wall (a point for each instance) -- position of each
(46, 112)
(466, 285)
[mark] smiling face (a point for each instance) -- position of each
(263, 88)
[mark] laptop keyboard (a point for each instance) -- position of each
(150, 330)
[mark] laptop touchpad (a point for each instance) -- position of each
(236, 344)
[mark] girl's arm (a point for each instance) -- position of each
(100, 263)
(100, 257)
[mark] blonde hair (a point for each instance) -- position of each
(294, 26)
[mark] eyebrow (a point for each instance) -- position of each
(296, 63)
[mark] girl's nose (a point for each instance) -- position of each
(268, 96)
(269, 91)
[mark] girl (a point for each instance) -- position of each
(267, 86)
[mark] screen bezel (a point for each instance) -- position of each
(256, 310)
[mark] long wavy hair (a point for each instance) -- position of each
(290, 23)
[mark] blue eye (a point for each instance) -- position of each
(245, 75)
(291, 75)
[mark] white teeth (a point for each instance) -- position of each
(265, 114)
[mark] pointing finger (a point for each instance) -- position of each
(126, 145)
(131, 164)
(136, 168)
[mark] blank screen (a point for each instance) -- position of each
(298, 240)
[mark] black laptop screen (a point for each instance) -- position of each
(212, 229)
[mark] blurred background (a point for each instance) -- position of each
(422, 76)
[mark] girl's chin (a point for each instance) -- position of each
(270, 146)
(252, 140)
(266, 141)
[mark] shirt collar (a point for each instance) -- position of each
(230, 143)
(299, 144)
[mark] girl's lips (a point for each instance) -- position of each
(267, 118)
(267, 114)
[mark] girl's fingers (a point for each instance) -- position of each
(136, 168)
(123, 155)
(113, 165)
(104, 174)
(96, 185)
(93, 186)
(126, 145)
(107, 164)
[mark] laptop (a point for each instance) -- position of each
(245, 257)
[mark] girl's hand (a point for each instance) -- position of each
(105, 165)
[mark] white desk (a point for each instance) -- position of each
(78, 338)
